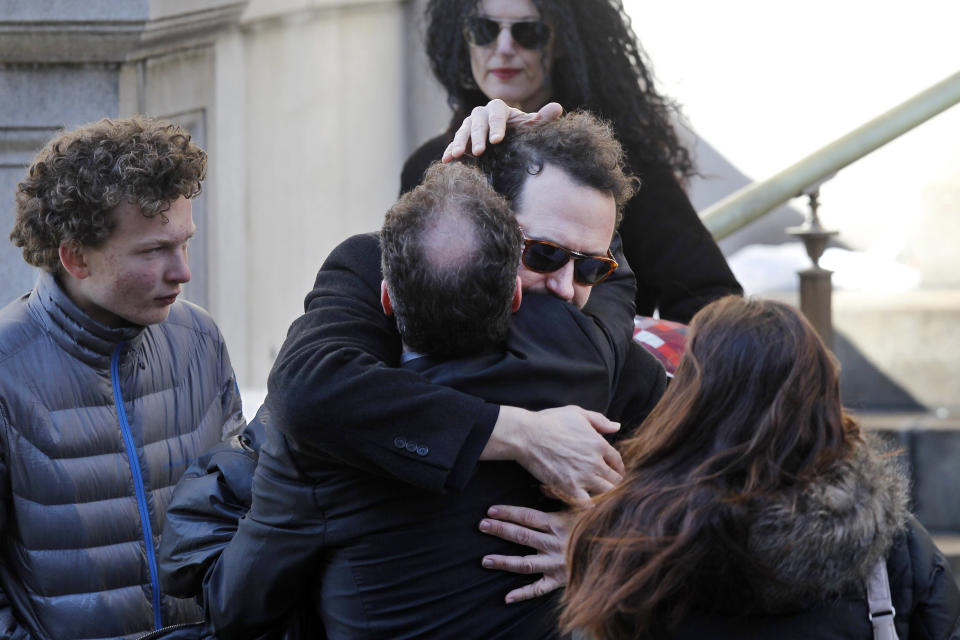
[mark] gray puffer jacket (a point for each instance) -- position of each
(96, 427)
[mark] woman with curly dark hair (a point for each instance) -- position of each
(753, 507)
(583, 54)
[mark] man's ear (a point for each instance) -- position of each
(517, 297)
(385, 298)
(73, 259)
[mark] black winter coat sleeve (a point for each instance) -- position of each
(205, 508)
(335, 386)
(259, 583)
(679, 267)
(210, 517)
(925, 593)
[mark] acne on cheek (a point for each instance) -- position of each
(132, 283)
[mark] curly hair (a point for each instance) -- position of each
(79, 177)
(598, 66)
(753, 411)
(451, 251)
(579, 143)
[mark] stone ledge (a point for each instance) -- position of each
(77, 36)
(908, 421)
(910, 337)
(273, 9)
(18, 145)
(949, 544)
(927, 299)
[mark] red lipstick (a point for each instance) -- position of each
(504, 73)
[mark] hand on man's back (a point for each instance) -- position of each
(561, 447)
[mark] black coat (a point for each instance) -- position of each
(404, 563)
(392, 558)
(810, 549)
(678, 266)
(924, 595)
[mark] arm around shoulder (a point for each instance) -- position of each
(335, 385)
(611, 306)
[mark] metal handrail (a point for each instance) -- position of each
(755, 200)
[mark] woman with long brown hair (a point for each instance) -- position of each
(752, 506)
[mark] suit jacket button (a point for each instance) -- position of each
(422, 451)
(412, 446)
(399, 443)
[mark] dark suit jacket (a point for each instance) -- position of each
(389, 560)
(401, 562)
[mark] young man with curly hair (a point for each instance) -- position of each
(109, 386)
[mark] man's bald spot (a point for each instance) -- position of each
(449, 240)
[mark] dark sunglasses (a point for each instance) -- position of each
(546, 257)
(529, 34)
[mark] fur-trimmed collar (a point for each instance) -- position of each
(821, 540)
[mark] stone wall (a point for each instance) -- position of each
(35, 101)
(321, 119)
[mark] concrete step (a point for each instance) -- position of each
(911, 337)
(899, 351)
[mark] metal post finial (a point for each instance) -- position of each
(816, 290)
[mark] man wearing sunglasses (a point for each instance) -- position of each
(450, 253)
(336, 388)
(560, 182)
(332, 360)
(451, 256)
(565, 182)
